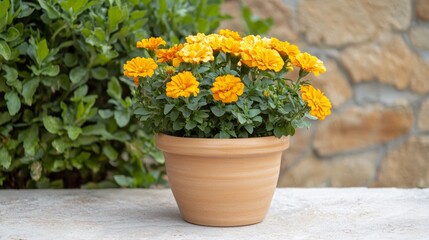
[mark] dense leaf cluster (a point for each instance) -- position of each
(65, 115)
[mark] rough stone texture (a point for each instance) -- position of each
(407, 166)
(390, 61)
(375, 92)
(424, 116)
(420, 37)
(356, 213)
(282, 27)
(377, 58)
(422, 9)
(345, 171)
(360, 127)
(334, 84)
(338, 22)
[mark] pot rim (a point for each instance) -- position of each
(212, 146)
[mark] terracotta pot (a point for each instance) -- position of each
(222, 182)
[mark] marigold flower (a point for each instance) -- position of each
(182, 85)
(151, 43)
(231, 34)
(230, 45)
(200, 37)
(309, 63)
(263, 58)
(196, 53)
(214, 41)
(140, 67)
(227, 88)
(317, 101)
(169, 54)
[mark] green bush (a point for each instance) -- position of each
(66, 118)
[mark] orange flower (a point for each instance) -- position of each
(228, 33)
(182, 85)
(140, 67)
(227, 88)
(196, 53)
(151, 43)
(169, 54)
(309, 63)
(263, 59)
(319, 104)
(230, 45)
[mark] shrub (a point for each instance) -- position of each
(66, 118)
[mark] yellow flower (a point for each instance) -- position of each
(229, 33)
(182, 85)
(169, 54)
(230, 45)
(227, 88)
(214, 41)
(196, 53)
(140, 67)
(169, 70)
(309, 63)
(317, 101)
(151, 43)
(263, 58)
(200, 37)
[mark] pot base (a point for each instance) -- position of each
(222, 182)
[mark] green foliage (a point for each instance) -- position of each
(253, 24)
(65, 115)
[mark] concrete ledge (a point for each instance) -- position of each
(329, 213)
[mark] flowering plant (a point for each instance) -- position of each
(225, 86)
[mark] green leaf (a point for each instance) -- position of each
(73, 132)
(122, 118)
(61, 144)
(42, 51)
(190, 125)
(30, 139)
(4, 6)
(11, 74)
(217, 111)
(74, 7)
(11, 34)
(5, 50)
(4, 117)
(80, 92)
(29, 89)
(168, 108)
(178, 125)
(105, 114)
(50, 9)
(52, 124)
(115, 16)
(70, 59)
(99, 73)
(12, 102)
(162, 7)
(123, 181)
(110, 152)
(78, 74)
(249, 128)
(5, 158)
(254, 112)
(241, 118)
(51, 70)
(114, 89)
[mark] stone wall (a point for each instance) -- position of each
(377, 59)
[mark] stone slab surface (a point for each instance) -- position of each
(326, 213)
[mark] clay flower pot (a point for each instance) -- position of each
(222, 182)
